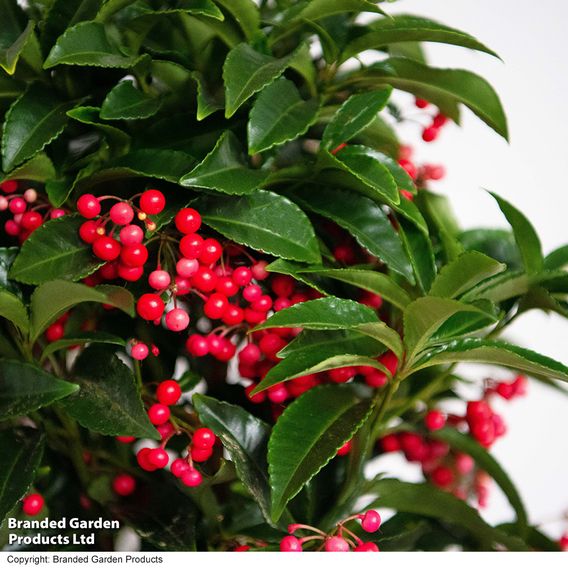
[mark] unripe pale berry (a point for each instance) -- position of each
(30, 195)
(131, 235)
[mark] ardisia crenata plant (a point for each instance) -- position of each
(227, 287)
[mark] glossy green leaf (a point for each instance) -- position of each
(317, 9)
(307, 436)
(557, 259)
(54, 251)
(499, 353)
(364, 219)
(88, 44)
(208, 100)
(487, 463)
(82, 338)
(13, 309)
(224, 169)
(383, 333)
(318, 351)
(126, 102)
(279, 115)
(25, 388)
(426, 500)
(362, 162)
(198, 7)
(354, 115)
(245, 437)
(296, 271)
(34, 120)
(456, 84)
(419, 250)
(109, 400)
(52, 299)
(323, 313)
(245, 13)
(247, 71)
(39, 168)
(13, 40)
(405, 28)
(369, 280)
(468, 270)
(525, 236)
(496, 243)
(20, 455)
(263, 221)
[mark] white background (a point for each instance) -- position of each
(530, 172)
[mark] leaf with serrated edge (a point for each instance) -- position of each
(126, 102)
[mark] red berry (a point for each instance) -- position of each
(442, 477)
(125, 439)
(124, 485)
(345, 449)
(190, 246)
(278, 393)
(9, 186)
(159, 279)
(32, 504)
(435, 420)
(12, 228)
(150, 307)
(17, 206)
(158, 414)
(506, 390)
(187, 267)
(197, 345)
(430, 134)
(241, 548)
(371, 521)
(259, 271)
(179, 467)
(255, 398)
(152, 202)
(253, 317)
(344, 254)
(139, 351)
(187, 221)
(376, 379)
(31, 220)
(233, 315)
(283, 285)
(216, 306)
(242, 276)
(390, 443)
(204, 279)
(56, 213)
(263, 304)
(478, 410)
(464, 464)
(271, 343)
(336, 544)
(121, 213)
(252, 293)
(366, 547)
(134, 255)
(281, 304)
(168, 392)
(483, 431)
(131, 235)
(421, 103)
(88, 206)
(250, 354)
(409, 167)
(414, 447)
(201, 455)
(290, 544)
(372, 300)
(520, 384)
(341, 375)
(130, 273)
(165, 430)
(563, 542)
(439, 120)
(177, 319)
(211, 251)
(226, 286)
(106, 248)
(390, 361)
(143, 461)
(159, 458)
(191, 478)
(54, 332)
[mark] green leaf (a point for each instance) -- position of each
(246, 13)
(323, 313)
(245, 437)
(487, 463)
(525, 236)
(418, 248)
(456, 84)
(308, 435)
(54, 251)
(468, 270)
(224, 169)
(279, 115)
(496, 243)
(198, 7)
(369, 280)
(208, 100)
(318, 351)
(13, 309)
(557, 259)
(246, 71)
(109, 401)
(406, 28)
(20, 455)
(126, 102)
(263, 221)
(33, 121)
(424, 316)
(39, 168)
(368, 168)
(499, 353)
(354, 115)
(25, 388)
(88, 44)
(426, 500)
(82, 338)
(296, 270)
(364, 219)
(383, 333)
(13, 40)
(317, 9)
(52, 299)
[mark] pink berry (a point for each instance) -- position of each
(159, 279)
(252, 293)
(366, 547)
(88, 206)
(442, 477)
(187, 267)
(371, 521)
(121, 213)
(12, 228)
(158, 414)
(17, 205)
(56, 213)
(259, 271)
(290, 544)
(124, 485)
(177, 319)
(131, 235)
(464, 464)
(277, 394)
(336, 544)
(32, 504)
(30, 196)
(139, 351)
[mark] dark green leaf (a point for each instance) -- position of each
(263, 221)
(418, 247)
(20, 455)
(13, 40)
(308, 435)
(405, 28)
(246, 13)
(34, 120)
(354, 115)
(126, 102)
(82, 338)
(364, 219)
(317, 9)
(52, 299)
(246, 71)
(279, 115)
(208, 101)
(24, 388)
(496, 243)
(245, 437)
(13, 309)
(109, 400)
(557, 259)
(39, 168)
(224, 169)
(468, 270)
(54, 251)
(525, 236)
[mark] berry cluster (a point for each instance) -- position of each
(438, 120)
(341, 539)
